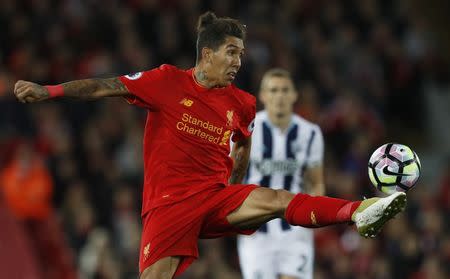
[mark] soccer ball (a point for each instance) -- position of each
(394, 168)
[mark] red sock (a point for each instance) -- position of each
(308, 211)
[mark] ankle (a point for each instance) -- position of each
(346, 213)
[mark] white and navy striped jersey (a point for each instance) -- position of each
(279, 158)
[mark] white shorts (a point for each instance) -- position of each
(266, 256)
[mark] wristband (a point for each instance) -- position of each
(55, 90)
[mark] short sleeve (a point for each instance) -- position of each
(146, 88)
(246, 120)
(316, 149)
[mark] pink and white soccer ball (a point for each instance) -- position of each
(394, 168)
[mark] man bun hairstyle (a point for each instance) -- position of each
(212, 31)
(204, 20)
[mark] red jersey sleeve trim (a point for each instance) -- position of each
(132, 98)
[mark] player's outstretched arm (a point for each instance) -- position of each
(88, 89)
(240, 155)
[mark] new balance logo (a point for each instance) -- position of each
(186, 102)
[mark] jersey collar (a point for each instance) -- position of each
(273, 126)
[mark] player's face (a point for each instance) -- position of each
(225, 62)
(278, 96)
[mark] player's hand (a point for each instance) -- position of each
(30, 92)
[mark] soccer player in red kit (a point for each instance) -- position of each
(191, 184)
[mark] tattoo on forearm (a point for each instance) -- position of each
(89, 88)
(240, 166)
(79, 88)
(112, 83)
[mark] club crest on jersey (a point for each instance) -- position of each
(230, 115)
(146, 251)
(313, 218)
(134, 76)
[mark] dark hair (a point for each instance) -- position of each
(212, 31)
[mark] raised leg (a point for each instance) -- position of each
(162, 269)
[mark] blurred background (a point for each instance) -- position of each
(368, 72)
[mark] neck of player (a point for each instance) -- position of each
(281, 121)
(202, 78)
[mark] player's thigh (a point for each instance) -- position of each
(162, 269)
(262, 205)
(256, 258)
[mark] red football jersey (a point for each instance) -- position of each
(188, 131)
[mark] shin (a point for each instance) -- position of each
(308, 211)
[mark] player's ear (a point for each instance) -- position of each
(206, 54)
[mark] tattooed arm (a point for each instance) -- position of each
(240, 155)
(88, 89)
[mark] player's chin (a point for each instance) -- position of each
(226, 82)
(229, 79)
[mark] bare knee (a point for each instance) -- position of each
(282, 198)
(262, 205)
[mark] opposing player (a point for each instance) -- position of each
(192, 114)
(286, 153)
